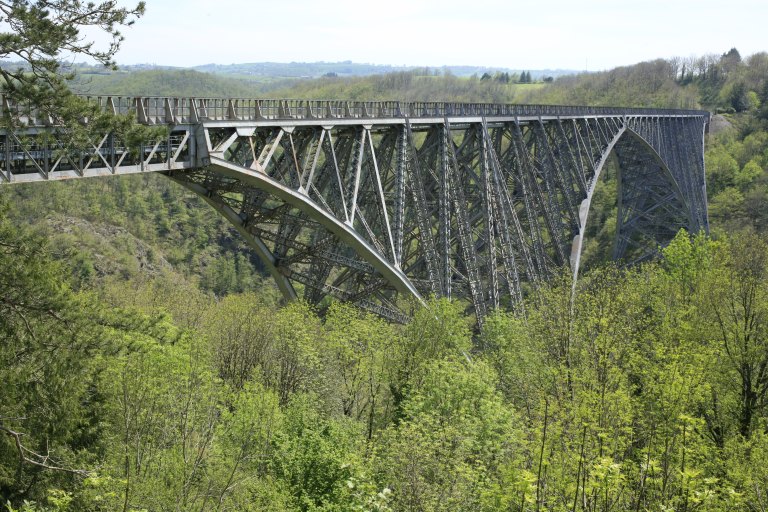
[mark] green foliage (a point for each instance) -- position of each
(162, 405)
(647, 84)
(179, 82)
(455, 435)
(358, 351)
(316, 456)
(46, 355)
(133, 227)
(279, 349)
(736, 164)
(145, 364)
(436, 331)
(639, 390)
(721, 170)
(406, 86)
(601, 220)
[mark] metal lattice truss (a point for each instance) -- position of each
(373, 203)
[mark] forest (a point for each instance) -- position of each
(146, 363)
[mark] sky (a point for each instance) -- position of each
(532, 34)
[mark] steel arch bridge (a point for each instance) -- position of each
(372, 202)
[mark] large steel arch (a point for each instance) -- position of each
(586, 204)
(480, 210)
(641, 174)
(208, 183)
(379, 203)
(652, 207)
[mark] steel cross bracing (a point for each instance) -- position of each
(378, 202)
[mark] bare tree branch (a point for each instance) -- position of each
(42, 461)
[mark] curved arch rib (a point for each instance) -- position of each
(585, 206)
(641, 166)
(262, 251)
(343, 231)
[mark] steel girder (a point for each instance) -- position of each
(375, 203)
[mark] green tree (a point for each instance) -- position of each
(316, 456)
(161, 411)
(357, 348)
(721, 169)
(44, 33)
(436, 331)
(748, 174)
(244, 446)
(456, 435)
(764, 101)
(738, 98)
(253, 340)
(239, 328)
(737, 301)
(46, 370)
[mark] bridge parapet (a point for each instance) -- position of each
(155, 110)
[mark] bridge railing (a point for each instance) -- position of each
(178, 110)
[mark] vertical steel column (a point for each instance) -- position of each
(418, 192)
(444, 211)
(400, 169)
(490, 240)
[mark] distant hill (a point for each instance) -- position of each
(298, 69)
(308, 79)
(416, 85)
(421, 84)
(350, 69)
(293, 70)
(164, 82)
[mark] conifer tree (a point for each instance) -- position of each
(37, 36)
